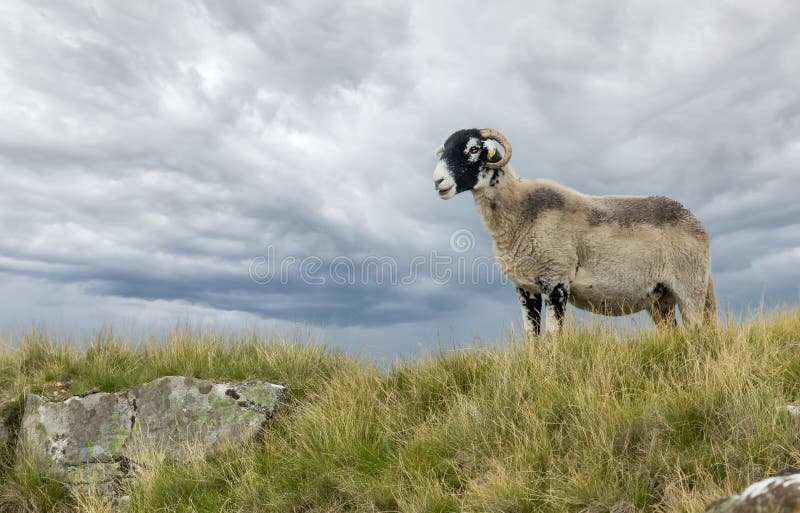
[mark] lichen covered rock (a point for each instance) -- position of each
(180, 413)
(777, 494)
(95, 439)
(80, 430)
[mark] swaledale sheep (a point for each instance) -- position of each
(612, 255)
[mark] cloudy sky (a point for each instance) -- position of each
(240, 164)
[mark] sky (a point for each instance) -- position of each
(266, 166)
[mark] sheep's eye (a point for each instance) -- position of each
(474, 150)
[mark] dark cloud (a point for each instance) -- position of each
(148, 153)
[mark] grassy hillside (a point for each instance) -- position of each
(589, 421)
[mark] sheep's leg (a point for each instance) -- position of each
(531, 311)
(691, 302)
(691, 311)
(557, 299)
(663, 314)
(556, 305)
(710, 307)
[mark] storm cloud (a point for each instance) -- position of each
(151, 153)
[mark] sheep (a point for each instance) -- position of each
(611, 255)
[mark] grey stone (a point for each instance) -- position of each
(91, 429)
(179, 414)
(780, 493)
(4, 434)
(794, 413)
(95, 440)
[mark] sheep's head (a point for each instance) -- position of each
(468, 160)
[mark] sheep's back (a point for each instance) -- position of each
(642, 211)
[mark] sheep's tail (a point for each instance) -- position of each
(710, 309)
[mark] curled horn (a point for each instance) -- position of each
(488, 133)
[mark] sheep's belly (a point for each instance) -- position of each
(605, 305)
(590, 293)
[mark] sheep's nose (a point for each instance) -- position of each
(437, 182)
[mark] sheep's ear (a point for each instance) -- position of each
(439, 151)
(491, 148)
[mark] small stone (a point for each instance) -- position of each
(623, 507)
(121, 502)
(4, 434)
(780, 493)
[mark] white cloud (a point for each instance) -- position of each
(148, 153)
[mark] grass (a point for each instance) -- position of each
(592, 420)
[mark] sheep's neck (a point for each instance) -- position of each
(497, 207)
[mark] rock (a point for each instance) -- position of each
(4, 435)
(777, 494)
(794, 413)
(179, 413)
(80, 430)
(94, 440)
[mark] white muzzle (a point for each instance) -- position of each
(443, 181)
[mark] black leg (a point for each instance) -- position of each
(662, 310)
(532, 304)
(663, 314)
(558, 298)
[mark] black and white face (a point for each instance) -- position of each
(462, 163)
